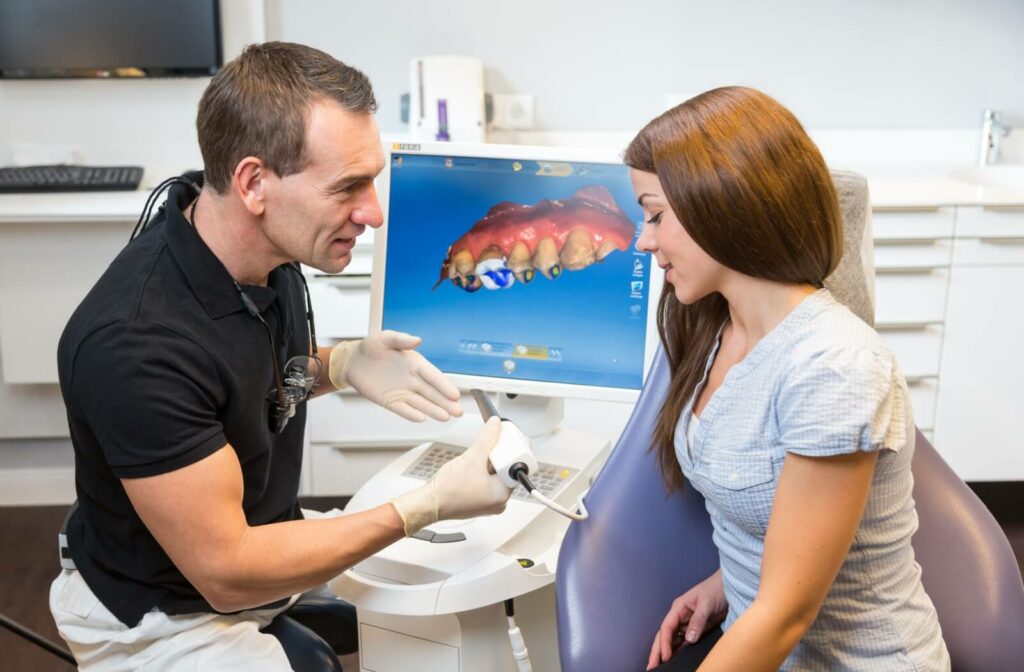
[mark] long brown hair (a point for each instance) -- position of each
(752, 190)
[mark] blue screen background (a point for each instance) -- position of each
(594, 319)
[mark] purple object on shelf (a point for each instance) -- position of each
(442, 120)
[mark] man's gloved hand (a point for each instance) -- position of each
(465, 487)
(386, 369)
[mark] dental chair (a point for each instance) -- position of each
(620, 570)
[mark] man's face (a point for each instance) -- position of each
(315, 215)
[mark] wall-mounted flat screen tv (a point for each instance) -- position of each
(42, 39)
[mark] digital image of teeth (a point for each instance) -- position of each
(513, 242)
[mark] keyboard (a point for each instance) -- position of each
(548, 479)
(42, 179)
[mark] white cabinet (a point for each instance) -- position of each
(918, 351)
(46, 268)
(979, 424)
(913, 250)
(341, 305)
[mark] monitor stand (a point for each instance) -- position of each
(437, 601)
(537, 417)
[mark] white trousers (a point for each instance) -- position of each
(206, 642)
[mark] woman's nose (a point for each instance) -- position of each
(645, 243)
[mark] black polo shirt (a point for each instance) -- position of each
(161, 366)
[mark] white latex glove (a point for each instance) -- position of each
(387, 370)
(465, 487)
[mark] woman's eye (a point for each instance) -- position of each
(654, 219)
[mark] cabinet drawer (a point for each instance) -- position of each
(910, 299)
(1001, 222)
(337, 471)
(349, 420)
(385, 650)
(907, 255)
(989, 251)
(341, 305)
(918, 351)
(913, 224)
(922, 400)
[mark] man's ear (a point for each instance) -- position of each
(248, 183)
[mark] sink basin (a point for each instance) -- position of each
(1002, 177)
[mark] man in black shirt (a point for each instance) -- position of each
(188, 540)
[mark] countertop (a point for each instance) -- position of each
(926, 190)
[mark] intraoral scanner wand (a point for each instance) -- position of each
(513, 459)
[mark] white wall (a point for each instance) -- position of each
(609, 65)
(921, 64)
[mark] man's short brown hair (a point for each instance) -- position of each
(258, 103)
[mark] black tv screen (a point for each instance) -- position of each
(109, 38)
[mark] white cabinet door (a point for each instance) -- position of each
(979, 421)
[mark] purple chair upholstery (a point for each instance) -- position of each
(968, 569)
(619, 571)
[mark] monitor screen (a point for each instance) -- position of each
(517, 267)
(109, 38)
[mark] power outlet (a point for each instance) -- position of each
(513, 111)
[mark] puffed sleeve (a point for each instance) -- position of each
(843, 400)
(150, 397)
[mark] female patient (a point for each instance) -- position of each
(785, 410)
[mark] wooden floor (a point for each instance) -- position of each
(28, 563)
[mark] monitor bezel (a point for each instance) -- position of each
(526, 153)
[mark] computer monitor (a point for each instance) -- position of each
(517, 266)
(109, 39)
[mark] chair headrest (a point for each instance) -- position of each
(852, 279)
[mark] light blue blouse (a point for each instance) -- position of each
(820, 383)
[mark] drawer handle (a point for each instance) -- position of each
(921, 378)
(907, 210)
(375, 445)
(906, 326)
(342, 282)
(1004, 240)
(1004, 208)
(923, 269)
(886, 242)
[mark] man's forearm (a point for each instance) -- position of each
(271, 562)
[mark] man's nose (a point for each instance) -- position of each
(368, 212)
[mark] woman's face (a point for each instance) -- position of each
(692, 273)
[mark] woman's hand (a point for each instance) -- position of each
(695, 611)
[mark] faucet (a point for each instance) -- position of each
(992, 131)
